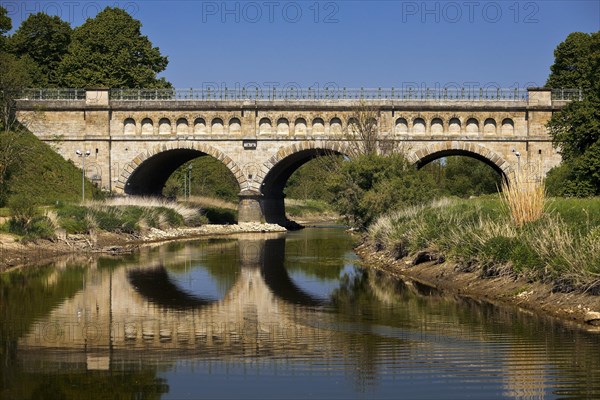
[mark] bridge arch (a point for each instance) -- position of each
(147, 174)
(276, 171)
(431, 152)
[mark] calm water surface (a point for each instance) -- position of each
(270, 316)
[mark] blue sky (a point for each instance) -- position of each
(347, 43)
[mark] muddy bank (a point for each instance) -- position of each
(577, 309)
(16, 254)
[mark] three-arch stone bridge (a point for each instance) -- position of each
(138, 138)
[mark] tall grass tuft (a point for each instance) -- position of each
(188, 213)
(525, 195)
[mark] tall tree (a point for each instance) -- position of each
(5, 26)
(575, 129)
(109, 50)
(576, 62)
(45, 40)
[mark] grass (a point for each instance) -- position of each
(217, 211)
(307, 208)
(562, 244)
(127, 215)
(43, 175)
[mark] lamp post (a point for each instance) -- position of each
(83, 157)
(518, 159)
(189, 181)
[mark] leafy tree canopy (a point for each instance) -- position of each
(109, 50)
(45, 39)
(5, 26)
(575, 130)
(576, 62)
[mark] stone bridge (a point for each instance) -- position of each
(138, 138)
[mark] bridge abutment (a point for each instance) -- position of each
(250, 207)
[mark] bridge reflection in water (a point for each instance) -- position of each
(293, 303)
(141, 306)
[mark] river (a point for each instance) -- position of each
(270, 316)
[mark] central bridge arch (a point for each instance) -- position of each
(278, 169)
(147, 174)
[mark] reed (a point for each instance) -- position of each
(525, 195)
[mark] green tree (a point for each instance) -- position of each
(576, 62)
(369, 185)
(463, 176)
(45, 39)
(575, 130)
(210, 178)
(109, 50)
(5, 26)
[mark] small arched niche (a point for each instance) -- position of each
(200, 126)
(235, 126)
(283, 126)
(300, 127)
(147, 127)
(401, 126)
(454, 126)
(216, 126)
(418, 125)
(264, 126)
(129, 126)
(182, 126)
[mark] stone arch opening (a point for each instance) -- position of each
(508, 126)
(147, 127)
(437, 126)
(150, 171)
(182, 126)
(129, 127)
(454, 126)
(284, 164)
(216, 126)
(418, 125)
(335, 126)
(199, 126)
(300, 127)
(235, 126)
(164, 126)
(318, 126)
(489, 126)
(472, 126)
(495, 161)
(283, 126)
(264, 126)
(401, 126)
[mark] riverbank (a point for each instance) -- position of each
(14, 253)
(579, 309)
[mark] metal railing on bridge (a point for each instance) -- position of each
(52, 94)
(258, 94)
(568, 94)
(407, 94)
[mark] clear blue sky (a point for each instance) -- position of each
(347, 43)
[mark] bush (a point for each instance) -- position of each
(25, 220)
(367, 186)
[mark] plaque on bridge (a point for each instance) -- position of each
(249, 144)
